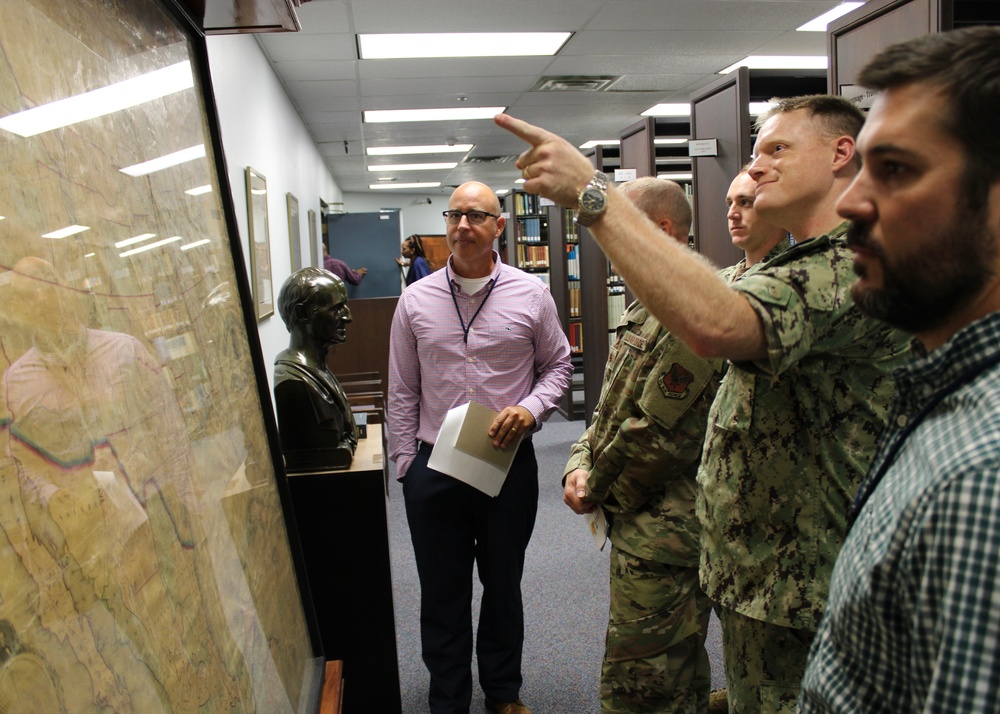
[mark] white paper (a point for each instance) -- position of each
(463, 466)
(598, 524)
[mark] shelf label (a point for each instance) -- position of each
(625, 175)
(703, 147)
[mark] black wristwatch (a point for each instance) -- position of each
(593, 199)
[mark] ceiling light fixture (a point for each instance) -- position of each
(779, 62)
(428, 184)
(600, 142)
(460, 44)
(818, 24)
(427, 149)
(165, 162)
(413, 167)
(668, 110)
(377, 116)
(758, 108)
(99, 102)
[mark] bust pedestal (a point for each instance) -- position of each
(343, 527)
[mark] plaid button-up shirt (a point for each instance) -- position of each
(913, 620)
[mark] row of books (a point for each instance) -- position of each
(532, 256)
(575, 335)
(529, 230)
(574, 299)
(573, 262)
(616, 307)
(525, 203)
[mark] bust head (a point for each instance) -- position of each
(313, 302)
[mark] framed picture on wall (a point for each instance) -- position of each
(147, 562)
(260, 245)
(314, 257)
(294, 246)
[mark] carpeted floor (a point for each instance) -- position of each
(565, 590)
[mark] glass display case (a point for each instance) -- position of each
(146, 564)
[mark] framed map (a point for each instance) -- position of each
(146, 564)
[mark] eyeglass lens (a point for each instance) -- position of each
(475, 217)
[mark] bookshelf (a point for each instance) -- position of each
(564, 241)
(527, 234)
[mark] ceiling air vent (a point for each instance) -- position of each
(489, 159)
(574, 83)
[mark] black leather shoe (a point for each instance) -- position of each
(515, 707)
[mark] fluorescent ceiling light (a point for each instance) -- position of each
(668, 110)
(189, 246)
(670, 141)
(600, 142)
(758, 108)
(99, 102)
(460, 44)
(89, 255)
(198, 190)
(779, 62)
(413, 167)
(376, 116)
(428, 149)
(819, 24)
(67, 231)
(675, 175)
(165, 162)
(150, 246)
(520, 180)
(502, 192)
(134, 240)
(428, 184)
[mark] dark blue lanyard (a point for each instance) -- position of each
(465, 330)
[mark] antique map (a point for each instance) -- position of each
(145, 564)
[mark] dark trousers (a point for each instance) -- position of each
(453, 525)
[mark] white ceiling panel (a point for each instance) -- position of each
(659, 50)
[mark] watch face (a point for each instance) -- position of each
(592, 200)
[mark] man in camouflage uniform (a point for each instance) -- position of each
(794, 425)
(638, 462)
(792, 430)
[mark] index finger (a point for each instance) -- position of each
(532, 134)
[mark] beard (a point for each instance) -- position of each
(921, 291)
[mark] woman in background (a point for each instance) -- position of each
(413, 251)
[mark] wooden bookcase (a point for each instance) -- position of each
(527, 235)
(566, 291)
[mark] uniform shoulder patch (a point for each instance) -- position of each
(675, 381)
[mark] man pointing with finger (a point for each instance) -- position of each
(795, 422)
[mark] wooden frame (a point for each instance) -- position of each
(294, 244)
(315, 258)
(261, 284)
(149, 559)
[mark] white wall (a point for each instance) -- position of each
(260, 128)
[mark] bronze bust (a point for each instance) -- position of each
(315, 423)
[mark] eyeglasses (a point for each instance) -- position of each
(476, 218)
